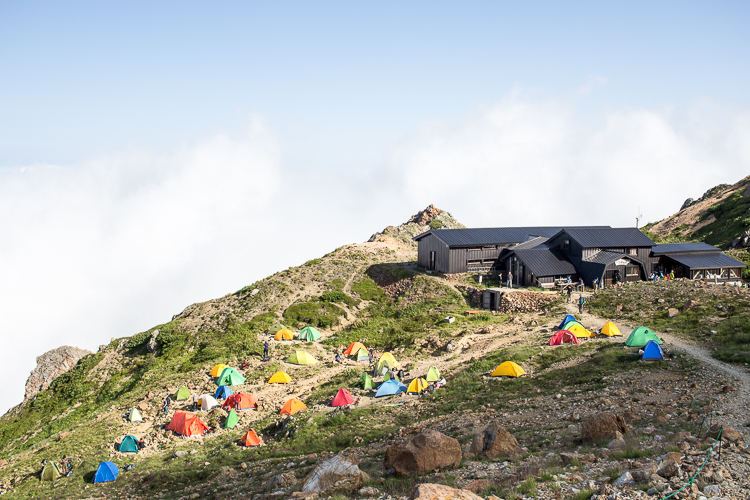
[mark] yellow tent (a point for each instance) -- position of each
(579, 331)
(301, 358)
(417, 385)
(284, 334)
(279, 378)
(216, 370)
(388, 360)
(610, 330)
(508, 369)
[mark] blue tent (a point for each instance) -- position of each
(390, 387)
(107, 471)
(567, 318)
(652, 351)
(223, 391)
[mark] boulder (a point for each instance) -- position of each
(644, 474)
(728, 434)
(428, 491)
(369, 491)
(603, 426)
(624, 479)
(338, 472)
(427, 451)
(668, 469)
(494, 442)
(284, 480)
(672, 312)
(478, 485)
(153, 345)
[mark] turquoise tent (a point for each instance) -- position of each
(129, 445)
(389, 388)
(230, 376)
(652, 351)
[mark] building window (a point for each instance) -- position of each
(633, 251)
(733, 273)
(632, 271)
(565, 244)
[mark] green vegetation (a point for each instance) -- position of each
(732, 218)
(339, 297)
(367, 289)
(435, 224)
(319, 314)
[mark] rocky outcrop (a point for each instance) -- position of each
(337, 473)
(603, 426)
(429, 491)
(427, 451)
(51, 365)
(494, 442)
(424, 220)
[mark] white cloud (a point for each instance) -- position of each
(524, 161)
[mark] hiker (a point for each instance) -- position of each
(569, 281)
(337, 359)
(167, 402)
(265, 349)
(141, 444)
(581, 301)
(510, 279)
(671, 274)
(400, 374)
(580, 285)
(595, 284)
(195, 403)
(393, 373)
(570, 294)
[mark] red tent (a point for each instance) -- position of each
(250, 439)
(187, 424)
(343, 398)
(563, 337)
(240, 401)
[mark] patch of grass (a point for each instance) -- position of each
(612, 473)
(631, 452)
(528, 487)
(583, 495)
(367, 289)
(315, 313)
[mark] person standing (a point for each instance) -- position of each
(510, 279)
(194, 406)
(570, 294)
(265, 349)
(167, 402)
(581, 302)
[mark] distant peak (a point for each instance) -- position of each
(425, 216)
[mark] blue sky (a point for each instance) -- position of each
(147, 151)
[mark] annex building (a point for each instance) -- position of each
(540, 255)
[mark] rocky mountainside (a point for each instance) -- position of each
(429, 218)
(51, 365)
(587, 421)
(720, 217)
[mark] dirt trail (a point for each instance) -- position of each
(735, 406)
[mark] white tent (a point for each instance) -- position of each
(207, 402)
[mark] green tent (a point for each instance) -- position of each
(275, 328)
(571, 323)
(231, 420)
(230, 376)
(433, 375)
(50, 471)
(182, 394)
(640, 337)
(362, 355)
(309, 334)
(366, 381)
(135, 415)
(387, 376)
(129, 445)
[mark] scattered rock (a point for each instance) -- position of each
(603, 426)
(478, 485)
(626, 478)
(672, 312)
(180, 453)
(727, 434)
(427, 451)
(668, 469)
(494, 442)
(369, 491)
(618, 443)
(338, 472)
(284, 480)
(428, 491)
(712, 490)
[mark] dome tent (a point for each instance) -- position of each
(230, 376)
(567, 318)
(135, 415)
(223, 392)
(129, 444)
(342, 398)
(240, 401)
(610, 330)
(354, 348)
(366, 381)
(187, 424)
(50, 471)
(107, 471)
(207, 402)
(652, 351)
(508, 369)
(309, 334)
(231, 420)
(640, 336)
(433, 375)
(417, 386)
(563, 337)
(216, 370)
(387, 361)
(292, 406)
(279, 378)
(284, 334)
(250, 439)
(182, 394)
(390, 388)
(301, 358)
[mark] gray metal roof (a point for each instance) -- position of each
(683, 248)
(546, 262)
(609, 237)
(706, 260)
(606, 256)
(493, 235)
(532, 243)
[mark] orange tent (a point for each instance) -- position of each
(250, 439)
(240, 401)
(354, 348)
(187, 424)
(292, 406)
